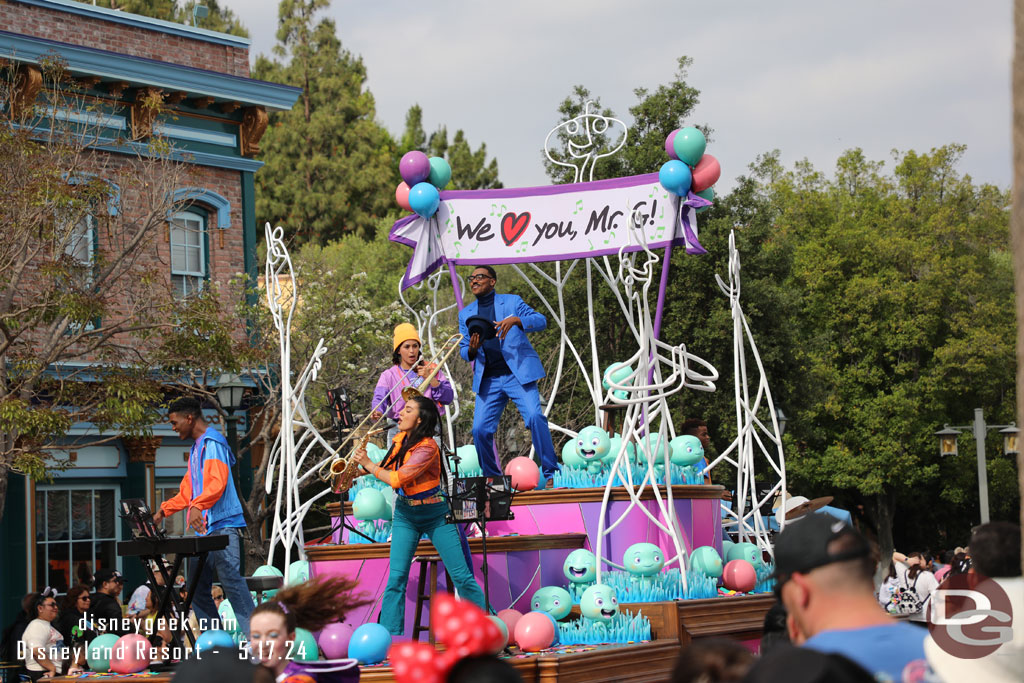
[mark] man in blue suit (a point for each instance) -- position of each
(506, 367)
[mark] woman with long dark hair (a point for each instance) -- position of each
(311, 605)
(413, 468)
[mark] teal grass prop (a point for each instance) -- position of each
(622, 628)
(378, 529)
(765, 582)
(576, 478)
(666, 585)
(366, 482)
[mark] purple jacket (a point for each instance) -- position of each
(387, 396)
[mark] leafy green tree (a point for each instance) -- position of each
(218, 18)
(470, 170)
(330, 168)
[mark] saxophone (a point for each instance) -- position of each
(345, 470)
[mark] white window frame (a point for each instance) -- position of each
(192, 281)
(41, 548)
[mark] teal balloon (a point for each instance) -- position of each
(99, 651)
(424, 199)
(370, 505)
(580, 566)
(689, 144)
(616, 372)
(599, 602)
(554, 600)
(686, 450)
(440, 172)
(469, 461)
(298, 572)
(569, 456)
(215, 637)
(706, 560)
(304, 647)
(643, 559)
(708, 194)
(375, 452)
(675, 176)
(744, 551)
(268, 570)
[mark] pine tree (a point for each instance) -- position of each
(330, 167)
(470, 170)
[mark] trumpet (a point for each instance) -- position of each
(447, 349)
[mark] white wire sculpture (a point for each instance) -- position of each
(752, 435)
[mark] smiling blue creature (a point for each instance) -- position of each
(599, 603)
(570, 458)
(593, 444)
(686, 450)
(554, 600)
(745, 551)
(580, 566)
(706, 560)
(643, 559)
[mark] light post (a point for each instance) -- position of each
(781, 418)
(947, 446)
(230, 392)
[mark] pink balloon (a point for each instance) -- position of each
(534, 632)
(414, 167)
(670, 145)
(333, 640)
(511, 617)
(130, 654)
(739, 575)
(402, 196)
(705, 174)
(524, 472)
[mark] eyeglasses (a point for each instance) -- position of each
(50, 604)
(85, 597)
(478, 278)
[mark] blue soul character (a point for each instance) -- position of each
(643, 559)
(554, 600)
(706, 560)
(580, 566)
(745, 551)
(686, 450)
(569, 456)
(599, 603)
(370, 505)
(593, 444)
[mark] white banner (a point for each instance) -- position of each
(552, 223)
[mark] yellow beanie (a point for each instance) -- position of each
(404, 333)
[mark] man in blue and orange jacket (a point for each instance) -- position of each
(208, 492)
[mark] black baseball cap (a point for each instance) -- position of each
(803, 545)
(104, 575)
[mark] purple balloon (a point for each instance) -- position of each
(670, 145)
(334, 639)
(414, 167)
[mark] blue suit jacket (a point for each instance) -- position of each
(517, 350)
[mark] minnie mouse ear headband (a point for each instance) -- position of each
(48, 592)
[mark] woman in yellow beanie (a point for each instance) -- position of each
(407, 371)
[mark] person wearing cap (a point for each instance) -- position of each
(104, 607)
(207, 492)
(407, 371)
(505, 366)
(824, 575)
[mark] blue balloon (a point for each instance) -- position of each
(440, 172)
(369, 644)
(214, 638)
(675, 176)
(424, 199)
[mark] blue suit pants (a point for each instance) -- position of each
(494, 394)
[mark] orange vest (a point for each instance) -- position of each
(415, 477)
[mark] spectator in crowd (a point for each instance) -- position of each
(716, 660)
(483, 669)
(888, 586)
(73, 611)
(41, 642)
(775, 630)
(913, 573)
(789, 664)
(995, 553)
(697, 427)
(824, 576)
(947, 563)
(14, 630)
(137, 604)
(105, 609)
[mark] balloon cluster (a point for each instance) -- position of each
(422, 179)
(464, 630)
(689, 168)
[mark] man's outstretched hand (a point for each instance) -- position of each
(502, 327)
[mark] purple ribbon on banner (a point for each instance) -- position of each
(692, 243)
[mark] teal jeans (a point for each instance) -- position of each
(409, 523)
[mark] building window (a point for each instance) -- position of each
(76, 533)
(188, 251)
(175, 524)
(82, 241)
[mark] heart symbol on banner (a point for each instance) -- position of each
(513, 226)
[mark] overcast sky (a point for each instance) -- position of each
(810, 78)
